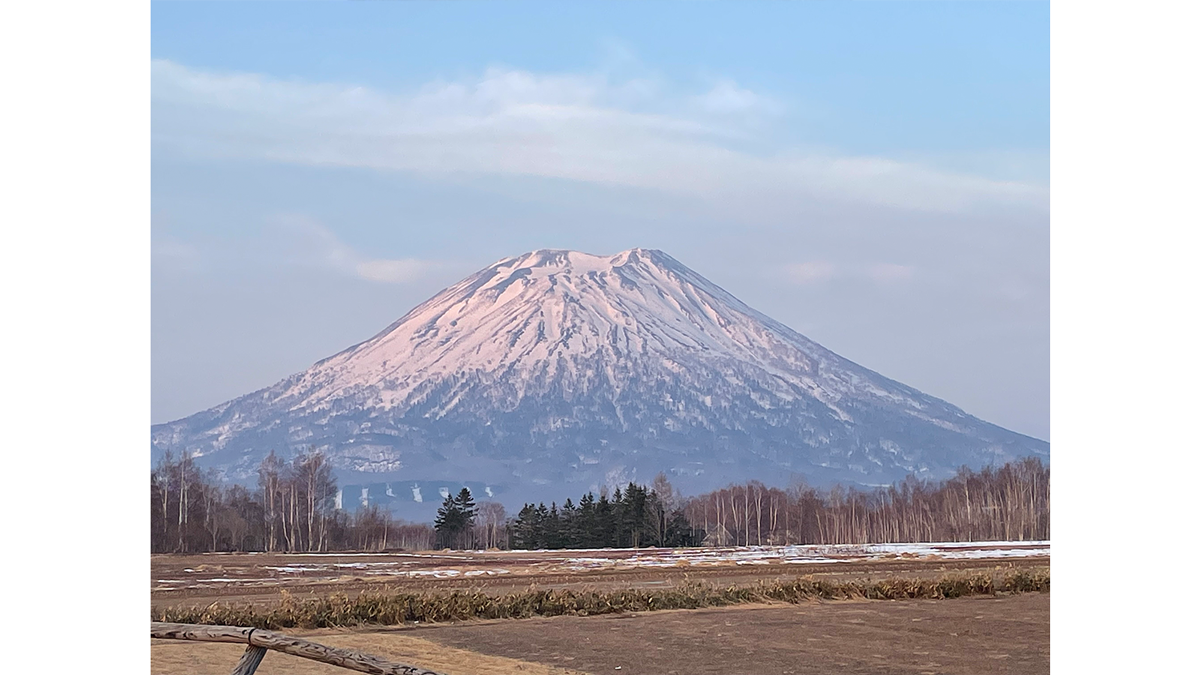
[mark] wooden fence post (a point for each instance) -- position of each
(250, 660)
(259, 641)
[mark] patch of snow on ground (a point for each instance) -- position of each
(398, 565)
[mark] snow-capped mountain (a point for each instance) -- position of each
(555, 372)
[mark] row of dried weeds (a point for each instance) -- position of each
(389, 608)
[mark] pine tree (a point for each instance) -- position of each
(586, 518)
(568, 527)
(603, 532)
(553, 536)
(633, 515)
(525, 528)
(455, 518)
(466, 506)
(449, 521)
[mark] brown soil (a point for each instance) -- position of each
(980, 635)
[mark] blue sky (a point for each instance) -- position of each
(868, 77)
(873, 174)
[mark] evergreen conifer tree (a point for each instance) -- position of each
(455, 518)
(525, 528)
(448, 522)
(587, 522)
(568, 527)
(466, 506)
(603, 532)
(553, 536)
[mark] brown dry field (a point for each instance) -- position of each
(980, 635)
(250, 578)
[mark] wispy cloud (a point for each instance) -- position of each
(296, 241)
(306, 241)
(577, 127)
(726, 97)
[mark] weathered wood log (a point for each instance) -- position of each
(250, 660)
(188, 631)
(345, 658)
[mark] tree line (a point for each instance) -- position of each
(636, 517)
(1011, 502)
(294, 509)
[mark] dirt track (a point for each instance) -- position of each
(980, 635)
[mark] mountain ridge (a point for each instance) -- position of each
(556, 370)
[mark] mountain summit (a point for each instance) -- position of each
(555, 372)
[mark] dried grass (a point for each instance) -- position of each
(391, 608)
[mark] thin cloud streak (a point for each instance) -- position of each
(574, 127)
(309, 242)
(296, 241)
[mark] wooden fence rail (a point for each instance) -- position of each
(258, 641)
